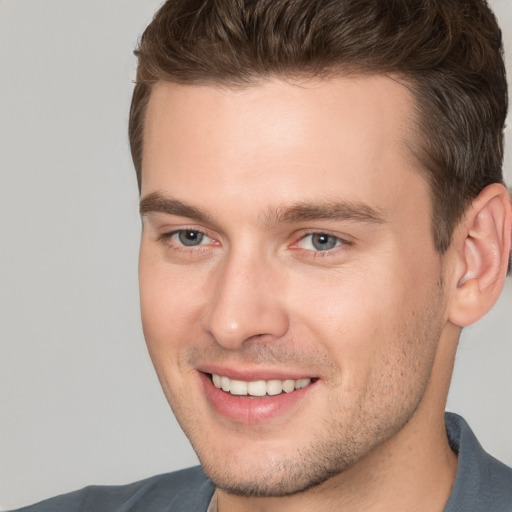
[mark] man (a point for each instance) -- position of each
(323, 212)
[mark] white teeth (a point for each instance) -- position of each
(288, 386)
(224, 383)
(302, 383)
(258, 387)
(274, 387)
(238, 387)
(216, 381)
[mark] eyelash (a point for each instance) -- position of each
(339, 242)
(166, 239)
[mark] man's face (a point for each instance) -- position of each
(287, 252)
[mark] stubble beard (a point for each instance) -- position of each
(343, 443)
(310, 468)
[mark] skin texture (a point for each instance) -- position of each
(367, 319)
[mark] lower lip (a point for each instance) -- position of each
(251, 410)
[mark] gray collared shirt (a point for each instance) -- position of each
(482, 484)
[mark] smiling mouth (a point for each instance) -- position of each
(259, 388)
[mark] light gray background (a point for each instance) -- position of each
(79, 403)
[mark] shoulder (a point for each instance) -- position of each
(186, 490)
(482, 484)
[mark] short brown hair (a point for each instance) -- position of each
(449, 52)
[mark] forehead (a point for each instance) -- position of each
(281, 138)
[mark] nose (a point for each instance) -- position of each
(245, 302)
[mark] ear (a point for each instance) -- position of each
(481, 248)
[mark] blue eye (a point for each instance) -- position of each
(323, 242)
(319, 242)
(190, 237)
(187, 240)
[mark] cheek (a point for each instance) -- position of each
(169, 325)
(346, 309)
(169, 305)
(364, 319)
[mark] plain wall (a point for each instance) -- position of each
(79, 401)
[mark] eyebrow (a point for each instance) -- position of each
(299, 212)
(158, 203)
(331, 210)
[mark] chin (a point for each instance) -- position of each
(280, 482)
(254, 473)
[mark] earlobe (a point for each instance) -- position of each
(482, 248)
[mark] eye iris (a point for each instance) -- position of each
(190, 238)
(323, 242)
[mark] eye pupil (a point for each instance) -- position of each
(190, 237)
(323, 242)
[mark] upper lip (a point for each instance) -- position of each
(254, 374)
